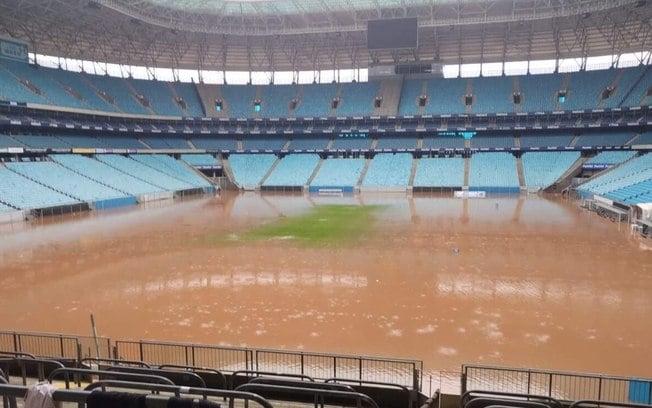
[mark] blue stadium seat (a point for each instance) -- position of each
(539, 92)
(611, 157)
(493, 94)
(389, 170)
(249, 169)
(117, 89)
(604, 139)
(239, 100)
(315, 100)
(409, 104)
(492, 141)
(446, 96)
(337, 172)
(65, 181)
(493, 172)
(144, 172)
(215, 143)
(292, 170)
(308, 143)
(630, 183)
(443, 142)
(188, 92)
(357, 99)
(439, 172)
(275, 100)
(165, 142)
(40, 141)
(395, 142)
(173, 168)
(23, 193)
(117, 179)
(263, 143)
(542, 169)
(351, 143)
(200, 160)
(160, 96)
(545, 140)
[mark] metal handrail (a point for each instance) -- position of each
(80, 396)
(268, 373)
(116, 361)
(135, 377)
(468, 395)
(355, 396)
(197, 370)
(594, 403)
(304, 384)
(40, 363)
(154, 371)
(17, 354)
(178, 390)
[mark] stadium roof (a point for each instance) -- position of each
(292, 35)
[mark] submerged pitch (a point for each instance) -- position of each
(324, 225)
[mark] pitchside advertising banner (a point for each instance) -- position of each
(14, 50)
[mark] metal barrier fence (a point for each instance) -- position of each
(321, 366)
(316, 365)
(54, 345)
(559, 385)
(187, 354)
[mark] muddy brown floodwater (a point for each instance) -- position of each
(535, 282)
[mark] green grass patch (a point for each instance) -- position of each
(324, 225)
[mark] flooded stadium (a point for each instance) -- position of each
(533, 281)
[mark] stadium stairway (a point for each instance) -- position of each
(197, 172)
(43, 184)
(608, 169)
(469, 91)
(208, 94)
(176, 98)
(390, 91)
(573, 141)
(230, 178)
(192, 146)
(566, 179)
(633, 139)
(613, 84)
(467, 168)
(564, 85)
(314, 172)
(97, 180)
(273, 167)
(135, 92)
(424, 91)
(28, 86)
(521, 175)
(90, 84)
(634, 86)
(259, 97)
(363, 173)
(516, 86)
(338, 95)
(141, 141)
(413, 173)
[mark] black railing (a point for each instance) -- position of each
(54, 345)
(562, 386)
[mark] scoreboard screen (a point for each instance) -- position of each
(392, 33)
